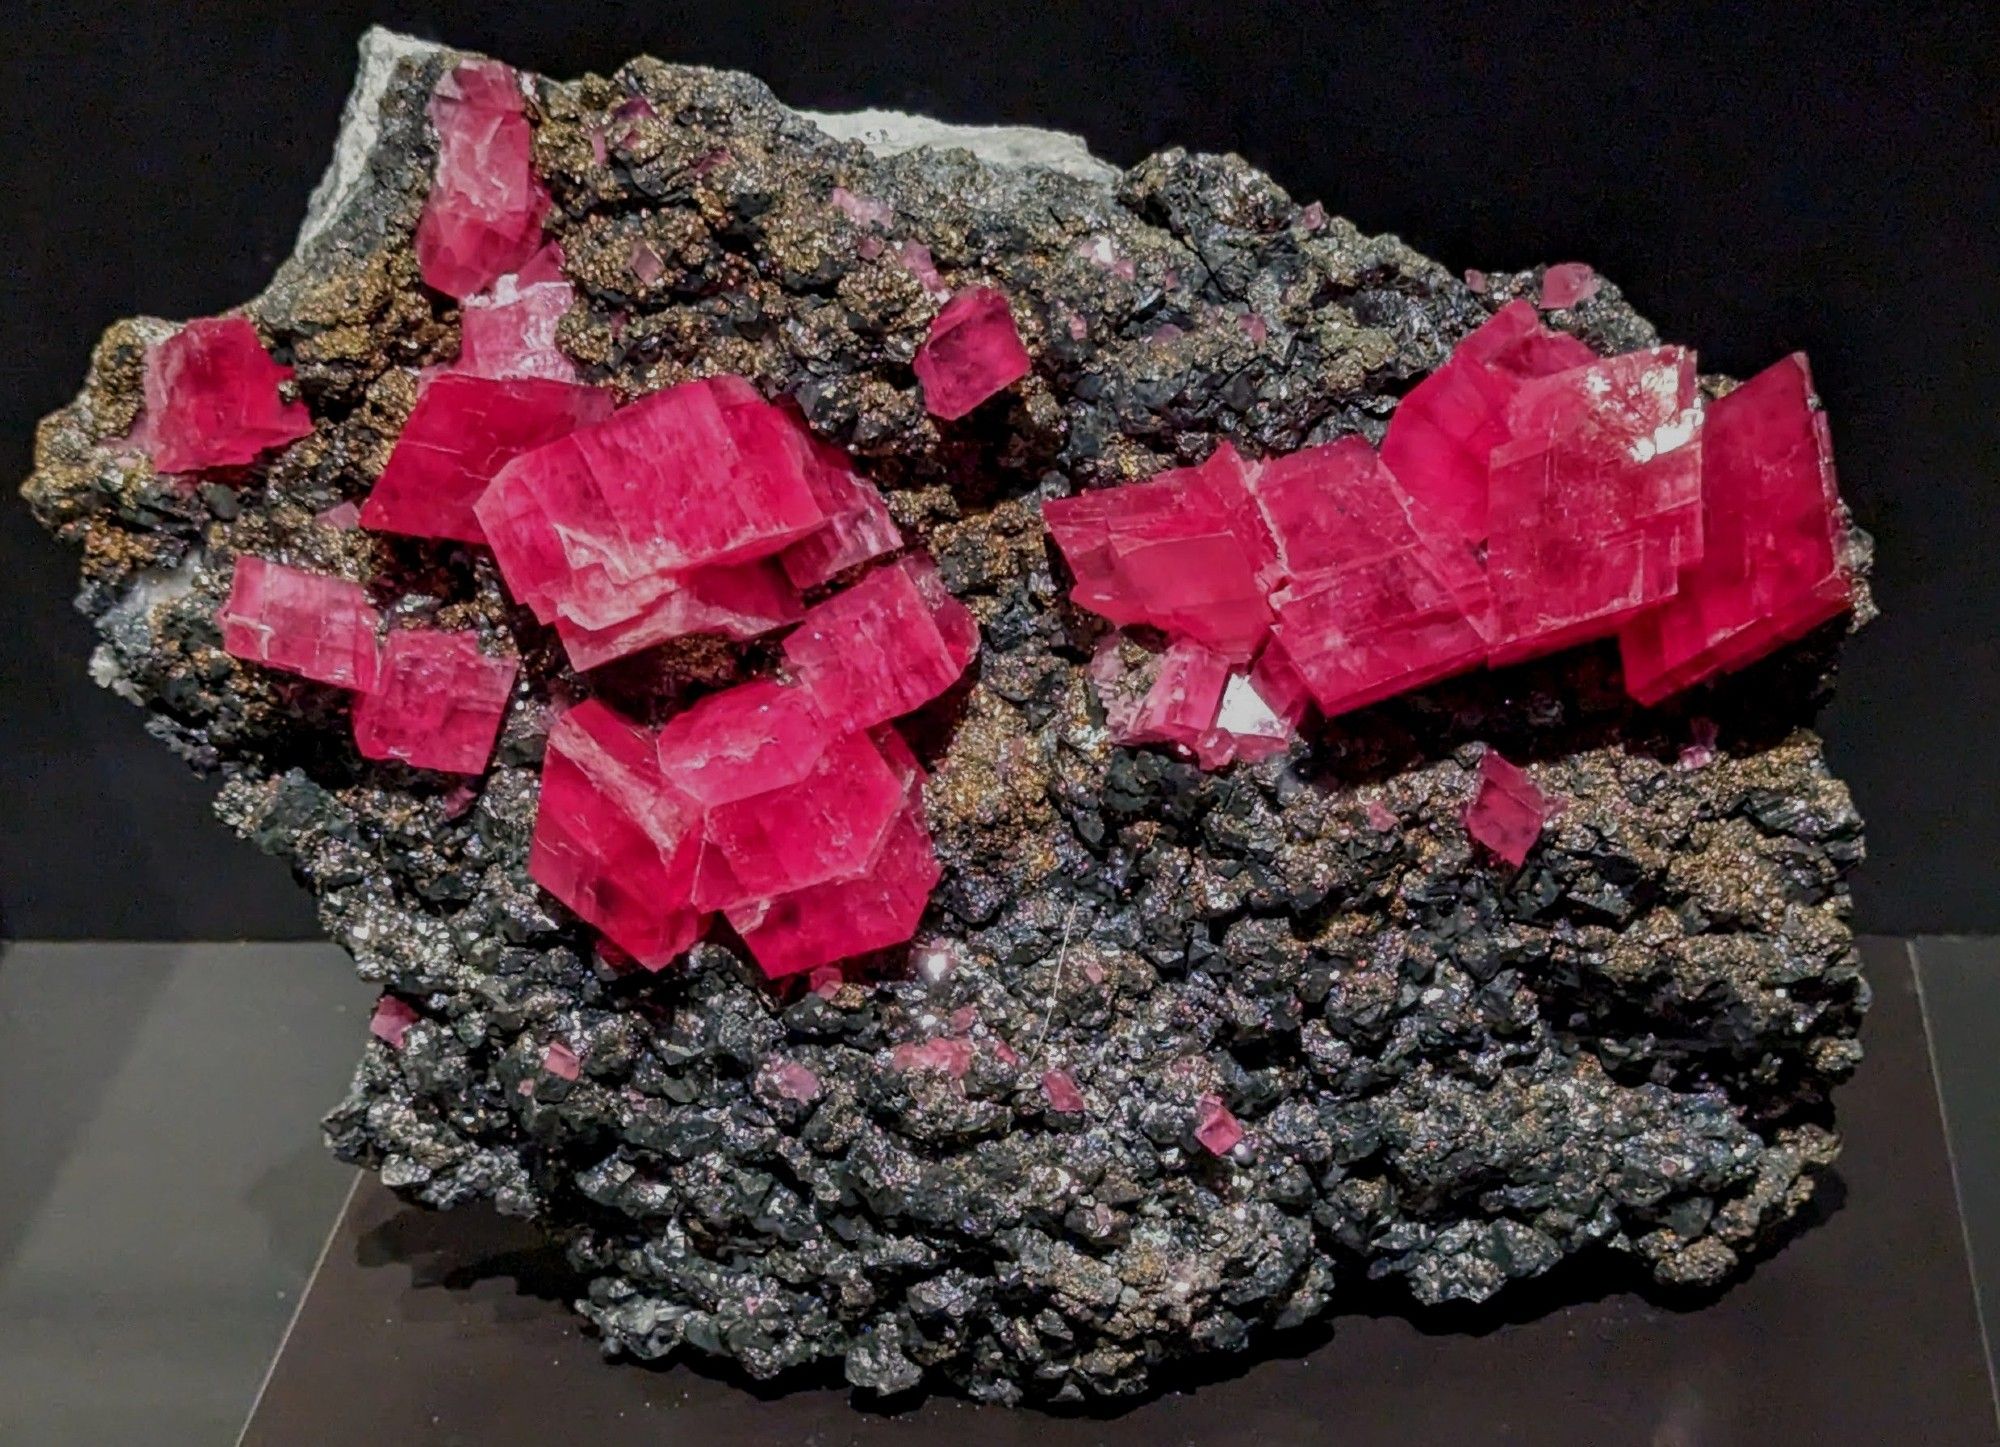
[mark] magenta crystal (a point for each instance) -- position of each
(436, 702)
(858, 526)
(1060, 1088)
(942, 1053)
(212, 398)
(392, 1021)
(463, 430)
(1507, 811)
(794, 1082)
(740, 601)
(973, 352)
(561, 1061)
(510, 331)
(305, 623)
(483, 217)
(889, 644)
(1770, 569)
(1567, 284)
(1216, 1127)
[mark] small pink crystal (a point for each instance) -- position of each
(916, 259)
(561, 1061)
(1253, 721)
(212, 398)
(483, 217)
(436, 702)
(972, 353)
(1313, 217)
(391, 1021)
(862, 210)
(794, 1082)
(1061, 1089)
(463, 430)
(305, 623)
(1770, 569)
(1215, 1127)
(1475, 281)
(825, 980)
(646, 263)
(510, 331)
(1507, 810)
(1254, 327)
(889, 644)
(941, 1053)
(1567, 284)
(1380, 819)
(341, 517)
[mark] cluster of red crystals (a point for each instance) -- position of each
(1507, 810)
(1529, 496)
(794, 809)
(699, 509)
(973, 351)
(1770, 568)
(427, 697)
(483, 216)
(436, 702)
(212, 399)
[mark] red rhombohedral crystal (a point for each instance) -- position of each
(483, 217)
(212, 398)
(973, 352)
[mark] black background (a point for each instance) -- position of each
(1757, 179)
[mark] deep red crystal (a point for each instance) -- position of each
(212, 399)
(436, 702)
(1507, 811)
(305, 623)
(973, 351)
(889, 644)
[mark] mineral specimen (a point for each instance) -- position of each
(1171, 955)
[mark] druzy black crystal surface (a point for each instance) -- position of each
(1449, 1072)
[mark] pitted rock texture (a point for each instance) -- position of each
(1446, 1070)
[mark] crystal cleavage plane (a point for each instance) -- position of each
(971, 770)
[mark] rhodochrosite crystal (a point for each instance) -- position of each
(463, 430)
(973, 352)
(1770, 568)
(483, 218)
(1020, 905)
(212, 398)
(1507, 810)
(305, 623)
(436, 702)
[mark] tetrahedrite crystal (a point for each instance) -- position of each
(1131, 1012)
(973, 351)
(213, 398)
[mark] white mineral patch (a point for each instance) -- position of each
(360, 125)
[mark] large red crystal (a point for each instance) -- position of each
(1596, 499)
(973, 351)
(305, 623)
(740, 601)
(612, 840)
(1770, 569)
(463, 429)
(1184, 551)
(889, 644)
(212, 398)
(1507, 810)
(436, 702)
(483, 217)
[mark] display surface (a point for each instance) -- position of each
(1274, 763)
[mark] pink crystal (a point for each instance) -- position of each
(858, 526)
(740, 601)
(1061, 1089)
(483, 217)
(972, 353)
(1568, 284)
(1215, 1127)
(436, 702)
(1250, 724)
(1313, 217)
(646, 264)
(1507, 810)
(1771, 568)
(1596, 499)
(823, 827)
(741, 742)
(561, 1061)
(880, 905)
(510, 331)
(463, 430)
(825, 980)
(212, 398)
(701, 474)
(341, 517)
(1380, 819)
(612, 840)
(305, 623)
(794, 1082)
(1184, 551)
(1181, 705)
(940, 1053)
(889, 644)
(1475, 280)
(862, 210)
(1254, 327)
(391, 1021)
(916, 258)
